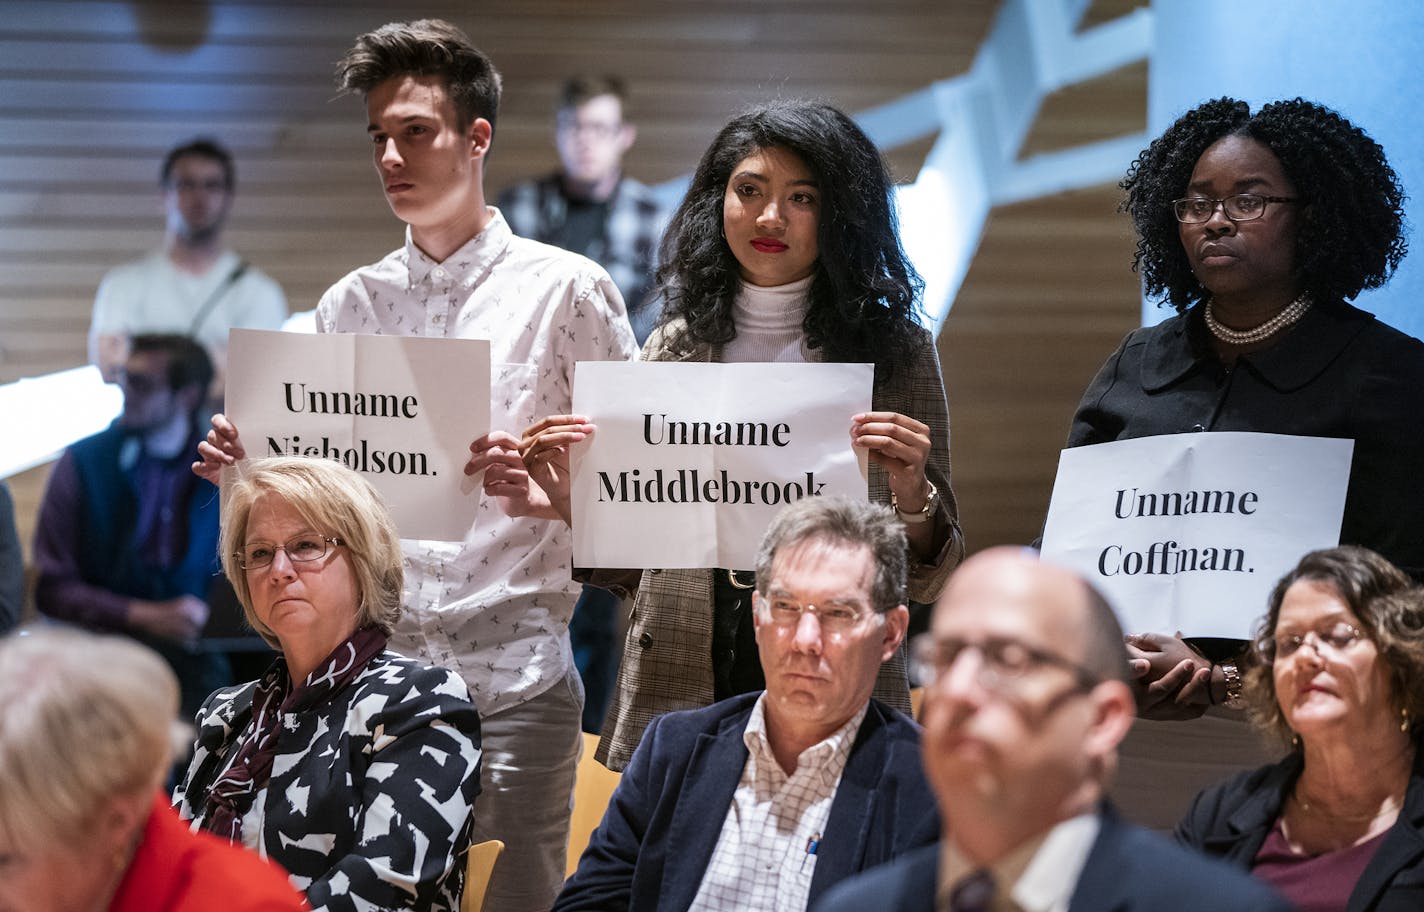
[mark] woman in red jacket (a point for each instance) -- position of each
(87, 736)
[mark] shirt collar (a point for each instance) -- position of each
(1177, 348)
(467, 265)
(827, 758)
(1038, 876)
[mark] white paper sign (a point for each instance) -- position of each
(401, 410)
(1190, 532)
(691, 461)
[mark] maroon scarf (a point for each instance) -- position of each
(232, 795)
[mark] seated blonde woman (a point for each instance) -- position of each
(352, 767)
(87, 734)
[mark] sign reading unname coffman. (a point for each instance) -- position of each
(1189, 532)
(691, 461)
(401, 410)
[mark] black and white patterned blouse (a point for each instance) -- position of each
(369, 801)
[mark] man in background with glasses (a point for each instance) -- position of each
(589, 205)
(765, 800)
(193, 285)
(1026, 702)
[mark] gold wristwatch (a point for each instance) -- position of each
(921, 515)
(1232, 674)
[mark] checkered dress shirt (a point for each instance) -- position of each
(762, 859)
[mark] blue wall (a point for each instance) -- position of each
(1364, 58)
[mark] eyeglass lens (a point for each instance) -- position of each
(301, 548)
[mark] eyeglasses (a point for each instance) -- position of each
(1003, 662)
(1243, 207)
(185, 185)
(833, 618)
(142, 384)
(300, 549)
(594, 129)
(1337, 636)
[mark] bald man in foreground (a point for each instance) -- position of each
(1026, 702)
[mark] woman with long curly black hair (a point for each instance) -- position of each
(1258, 228)
(785, 248)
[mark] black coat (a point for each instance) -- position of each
(1339, 372)
(1231, 821)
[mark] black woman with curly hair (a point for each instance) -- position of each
(784, 249)
(1257, 228)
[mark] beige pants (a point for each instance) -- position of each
(529, 754)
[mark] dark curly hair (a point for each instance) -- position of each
(1351, 234)
(1391, 612)
(864, 295)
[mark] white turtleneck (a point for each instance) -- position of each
(768, 322)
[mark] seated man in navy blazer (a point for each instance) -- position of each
(1026, 702)
(764, 800)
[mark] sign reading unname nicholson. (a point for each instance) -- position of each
(1190, 532)
(691, 461)
(401, 410)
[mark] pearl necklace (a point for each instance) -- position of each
(1288, 315)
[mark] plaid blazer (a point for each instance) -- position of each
(667, 655)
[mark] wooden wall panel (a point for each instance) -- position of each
(1047, 299)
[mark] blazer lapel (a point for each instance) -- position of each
(1250, 824)
(1402, 847)
(713, 771)
(847, 834)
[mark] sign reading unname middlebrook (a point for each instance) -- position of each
(691, 461)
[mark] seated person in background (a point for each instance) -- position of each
(1026, 701)
(87, 734)
(12, 564)
(194, 285)
(126, 538)
(352, 767)
(1338, 673)
(811, 780)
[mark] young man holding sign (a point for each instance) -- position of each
(496, 606)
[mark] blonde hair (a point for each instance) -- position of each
(335, 501)
(83, 718)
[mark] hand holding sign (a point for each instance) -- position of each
(496, 454)
(1169, 678)
(545, 451)
(222, 448)
(901, 445)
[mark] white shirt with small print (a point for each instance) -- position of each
(494, 608)
(763, 858)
